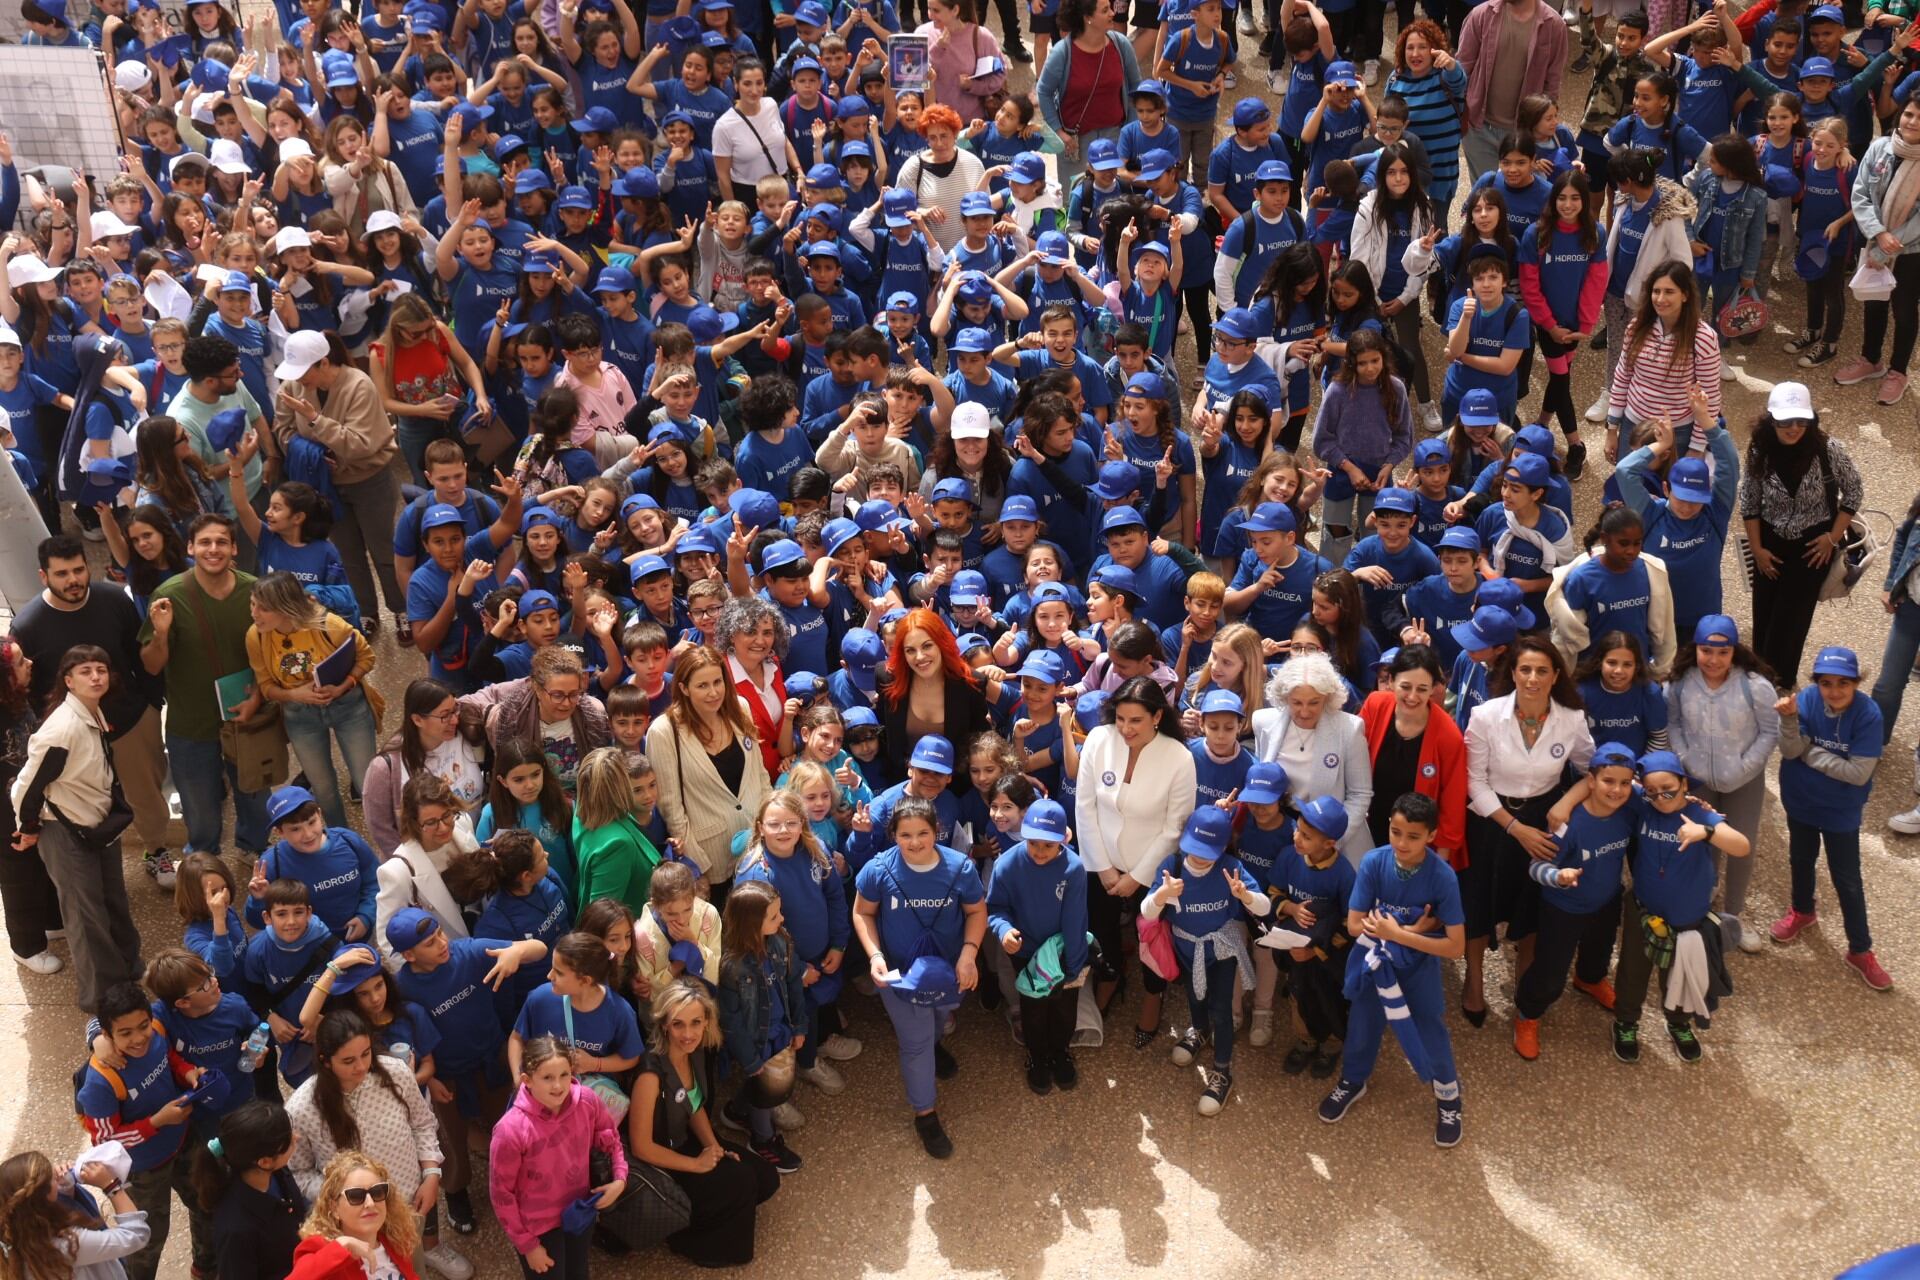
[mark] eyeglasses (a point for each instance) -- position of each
(445, 717)
(444, 820)
(709, 611)
(357, 1196)
(563, 695)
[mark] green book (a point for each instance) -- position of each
(232, 690)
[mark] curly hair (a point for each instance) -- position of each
(402, 1231)
(937, 116)
(1432, 32)
(1309, 670)
(744, 614)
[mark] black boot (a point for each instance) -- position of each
(1010, 41)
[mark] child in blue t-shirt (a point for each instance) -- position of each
(1312, 884)
(1488, 333)
(283, 961)
(1194, 62)
(1624, 704)
(338, 868)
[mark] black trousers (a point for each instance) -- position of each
(1783, 606)
(1582, 944)
(1827, 303)
(27, 896)
(1315, 987)
(1904, 308)
(569, 1254)
(1047, 1023)
(1106, 915)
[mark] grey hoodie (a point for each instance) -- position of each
(1723, 736)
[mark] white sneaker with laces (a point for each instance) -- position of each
(1262, 1034)
(841, 1048)
(1906, 823)
(787, 1118)
(449, 1262)
(823, 1077)
(1749, 940)
(1727, 371)
(44, 964)
(1597, 411)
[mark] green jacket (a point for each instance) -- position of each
(615, 861)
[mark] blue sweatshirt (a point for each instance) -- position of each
(1039, 902)
(813, 898)
(1807, 793)
(541, 913)
(223, 955)
(341, 878)
(1216, 779)
(1629, 718)
(1386, 608)
(1278, 609)
(1598, 846)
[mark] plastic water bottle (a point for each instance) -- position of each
(254, 1052)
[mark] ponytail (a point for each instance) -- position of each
(256, 1131)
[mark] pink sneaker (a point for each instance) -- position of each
(1791, 925)
(1858, 369)
(1863, 963)
(1892, 387)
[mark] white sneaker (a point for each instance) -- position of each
(1371, 72)
(1230, 80)
(44, 964)
(1262, 1034)
(449, 1262)
(787, 1118)
(1249, 23)
(55, 935)
(1430, 418)
(1597, 412)
(1907, 823)
(1276, 84)
(1749, 939)
(840, 1048)
(94, 534)
(823, 1077)
(1727, 372)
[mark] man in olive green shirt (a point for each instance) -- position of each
(196, 632)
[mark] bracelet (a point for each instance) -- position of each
(334, 970)
(429, 1171)
(114, 1188)
(1512, 820)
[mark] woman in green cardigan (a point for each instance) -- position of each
(610, 845)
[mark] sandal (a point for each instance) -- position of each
(1142, 1038)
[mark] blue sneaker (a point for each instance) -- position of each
(1446, 1130)
(1334, 1107)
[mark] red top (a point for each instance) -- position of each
(1096, 92)
(1442, 773)
(319, 1258)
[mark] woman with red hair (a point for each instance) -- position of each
(930, 689)
(940, 175)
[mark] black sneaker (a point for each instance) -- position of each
(1039, 1077)
(1325, 1063)
(1018, 51)
(1582, 63)
(1187, 1048)
(610, 1244)
(1219, 1085)
(945, 1065)
(932, 1136)
(1598, 342)
(734, 1116)
(1802, 342)
(1576, 460)
(1298, 1057)
(460, 1212)
(778, 1154)
(1446, 1129)
(1685, 1043)
(1065, 1074)
(1143, 1037)
(990, 996)
(1334, 1107)
(1818, 355)
(1626, 1042)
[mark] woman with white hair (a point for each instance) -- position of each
(1323, 748)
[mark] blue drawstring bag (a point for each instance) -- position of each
(579, 1217)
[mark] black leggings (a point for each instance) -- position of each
(1315, 986)
(1200, 314)
(1905, 309)
(1582, 944)
(1827, 303)
(1783, 606)
(1047, 1023)
(1559, 398)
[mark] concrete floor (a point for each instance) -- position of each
(1787, 1152)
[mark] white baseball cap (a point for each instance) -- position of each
(382, 220)
(291, 238)
(970, 422)
(107, 223)
(304, 349)
(132, 76)
(29, 269)
(228, 158)
(1790, 402)
(8, 338)
(295, 149)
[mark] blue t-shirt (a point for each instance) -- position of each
(1297, 881)
(610, 1031)
(214, 1040)
(1193, 59)
(1857, 733)
(1492, 333)
(1206, 904)
(1611, 601)
(1669, 880)
(1627, 718)
(1302, 94)
(1217, 779)
(459, 1002)
(1598, 846)
(1279, 608)
(1377, 886)
(150, 1085)
(915, 903)
(1563, 273)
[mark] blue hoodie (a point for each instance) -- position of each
(273, 965)
(812, 896)
(222, 954)
(1040, 901)
(341, 880)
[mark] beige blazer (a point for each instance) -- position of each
(701, 812)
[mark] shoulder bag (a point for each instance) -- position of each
(256, 748)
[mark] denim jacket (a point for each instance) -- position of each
(1743, 235)
(1901, 559)
(746, 1003)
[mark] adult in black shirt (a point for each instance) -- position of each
(70, 610)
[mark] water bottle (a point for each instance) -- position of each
(255, 1050)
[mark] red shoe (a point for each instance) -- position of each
(1601, 992)
(1526, 1037)
(1790, 926)
(1863, 963)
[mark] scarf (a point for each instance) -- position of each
(1904, 191)
(1230, 941)
(1550, 552)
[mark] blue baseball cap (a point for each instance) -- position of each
(1054, 248)
(1431, 453)
(1272, 171)
(1479, 408)
(899, 204)
(976, 204)
(953, 489)
(902, 300)
(932, 752)
(648, 566)
(969, 587)
(1535, 437)
(339, 70)
(1250, 111)
(1088, 706)
(700, 539)
(1148, 385)
(1662, 762)
(574, 198)
(822, 249)
(1043, 665)
(825, 177)
(677, 116)
(1837, 660)
(351, 979)
(528, 181)
(837, 533)
(861, 652)
(1529, 469)
(1117, 480)
(409, 927)
(1156, 163)
(1208, 829)
(1490, 627)
(665, 432)
(804, 685)
(812, 13)
(1216, 701)
(284, 801)
(1325, 815)
(1610, 754)
(1716, 630)
(1018, 506)
(1118, 578)
(973, 342)
(1827, 13)
(1266, 783)
(1151, 89)
(615, 280)
(712, 39)
(1044, 820)
(975, 287)
(637, 184)
(849, 107)
(536, 601)
(875, 515)
(236, 282)
(1460, 537)
(1052, 591)
(860, 718)
(506, 144)
(803, 64)
(1342, 73)
(1028, 166)
(1103, 154)
(1122, 518)
(596, 120)
(1239, 324)
(538, 515)
(1505, 593)
(1688, 480)
(1395, 499)
(226, 429)
(539, 264)
(1271, 517)
(425, 15)
(706, 324)
(756, 508)
(105, 478)
(1816, 68)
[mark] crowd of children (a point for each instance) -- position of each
(807, 571)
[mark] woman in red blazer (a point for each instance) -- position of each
(1416, 746)
(752, 636)
(357, 1226)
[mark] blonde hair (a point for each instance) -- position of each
(1206, 586)
(603, 790)
(402, 1231)
(788, 797)
(672, 999)
(1244, 641)
(772, 187)
(1836, 126)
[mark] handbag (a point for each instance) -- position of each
(1872, 281)
(653, 1207)
(1859, 548)
(256, 748)
(604, 1086)
(1746, 314)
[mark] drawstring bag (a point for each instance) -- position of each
(604, 1086)
(1746, 314)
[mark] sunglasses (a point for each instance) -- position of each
(357, 1196)
(1662, 795)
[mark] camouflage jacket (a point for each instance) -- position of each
(1613, 79)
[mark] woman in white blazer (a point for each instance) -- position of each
(1323, 749)
(434, 828)
(1134, 792)
(711, 775)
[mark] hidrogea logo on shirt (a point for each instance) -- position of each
(451, 1001)
(337, 881)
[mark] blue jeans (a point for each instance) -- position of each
(205, 779)
(413, 435)
(1215, 1010)
(1426, 1002)
(1896, 662)
(918, 1028)
(350, 722)
(1843, 867)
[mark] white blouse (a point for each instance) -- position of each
(1131, 826)
(1499, 762)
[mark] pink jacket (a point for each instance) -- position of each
(539, 1161)
(1480, 44)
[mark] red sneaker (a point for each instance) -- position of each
(1601, 992)
(1790, 926)
(1863, 963)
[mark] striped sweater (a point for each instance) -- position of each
(1431, 116)
(1652, 383)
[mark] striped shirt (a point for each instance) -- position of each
(1653, 384)
(1431, 116)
